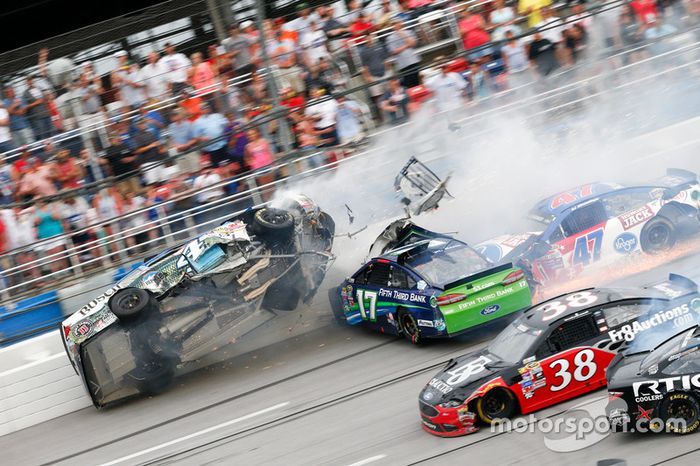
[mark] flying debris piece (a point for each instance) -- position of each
(422, 189)
(351, 214)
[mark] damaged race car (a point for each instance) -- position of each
(598, 224)
(193, 299)
(658, 390)
(555, 351)
(422, 284)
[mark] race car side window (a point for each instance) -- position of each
(569, 334)
(378, 274)
(400, 279)
(686, 364)
(584, 218)
(361, 276)
(621, 313)
(619, 203)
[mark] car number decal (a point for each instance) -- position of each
(554, 309)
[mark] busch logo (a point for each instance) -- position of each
(651, 387)
(629, 331)
(625, 243)
(634, 218)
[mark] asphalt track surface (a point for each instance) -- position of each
(342, 396)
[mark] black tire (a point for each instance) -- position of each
(409, 327)
(337, 306)
(498, 403)
(658, 235)
(273, 224)
(130, 303)
(682, 407)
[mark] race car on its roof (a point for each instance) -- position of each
(599, 223)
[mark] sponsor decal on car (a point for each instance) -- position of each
(625, 243)
(403, 296)
(440, 325)
(628, 332)
(488, 310)
(651, 387)
(439, 385)
(635, 217)
(491, 296)
(669, 291)
(647, 398)
(425, 323)
(82, 328)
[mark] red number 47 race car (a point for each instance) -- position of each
(554, 351)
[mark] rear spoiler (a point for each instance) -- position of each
(478, 275)
(675, 287)
(675, 178)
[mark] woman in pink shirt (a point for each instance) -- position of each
(202, 76)
(258, 154)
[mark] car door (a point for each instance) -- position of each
(566, 365)
(374, 293)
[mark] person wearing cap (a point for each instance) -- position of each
(238, 48)
(37, 110)
(401, 43)
(209, 131)
(177, 65)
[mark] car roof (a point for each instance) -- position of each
(556, 204)
(533, 315)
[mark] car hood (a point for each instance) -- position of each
(506, 247)
(461, 376)
(624, 370)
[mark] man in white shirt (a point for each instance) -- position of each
(155, 77)
(552, 28)
(5, 134)
(448, 92)
(208, 177)
(325, 113)
(177, 65)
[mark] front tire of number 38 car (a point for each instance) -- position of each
(497, 403)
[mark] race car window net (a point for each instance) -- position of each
(572, 333)
(514, 342)
(378, 274)
(584, 218)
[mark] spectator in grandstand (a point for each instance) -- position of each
(474, 34)
(155, 77)
(5, 133)
(148, 152)
(258, 151)
(552, 29)
(394, 102)
(347, 121)
(448, 89)
(132, 86)
(19, 125)
(37, 181)
(308, 140)
(93, 171)
(282, 53)
(48, 219)
(69, 174)
(74, 213)
(580, 16)
(209, 131)
(201, 75)
(37, 110)
(532, 8)
(122, 165)
(401, 43)
(8, 177)
(325, 113)
(374, 56)
(360, 27)
(238, 48)
(191, 104)
(479, 82)
(335, 30)
(228, 98)
(542, 55)
(319, 75)
(301, 25)
(154, 120)
(501, 20)
(208, 178)
(631, 33)
(181, 141)
(90, 119)
(139, 223)
(383, 17)
(515, 58)
(645, 10)
(314, 47)
(657, 28)
(21, 164)
(219, 61)
(177, 65)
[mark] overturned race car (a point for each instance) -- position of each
(193, 299)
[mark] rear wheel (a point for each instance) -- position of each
(409, 327)
(130, 303)
(498, 403)
(273, 224)
(681, 413)
(658, 235)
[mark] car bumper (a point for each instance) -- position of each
(449, 422)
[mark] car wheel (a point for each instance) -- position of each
(273, 224)
(498, 403)
(409, 327)
(658, 235)
(681, 413)
(131, 303)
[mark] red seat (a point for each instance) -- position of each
(418, 93)
(457, 65)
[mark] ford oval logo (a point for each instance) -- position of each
(625, 243)
(490, 309)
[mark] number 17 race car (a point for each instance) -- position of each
(554, 351)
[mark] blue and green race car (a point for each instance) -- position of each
(422, 284)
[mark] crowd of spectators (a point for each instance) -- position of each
(176, 122)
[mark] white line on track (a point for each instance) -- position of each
(32, 364)
(197, 434)
(371, 459)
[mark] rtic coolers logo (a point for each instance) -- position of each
(625, 243)
(651, 387)
(678, 315)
